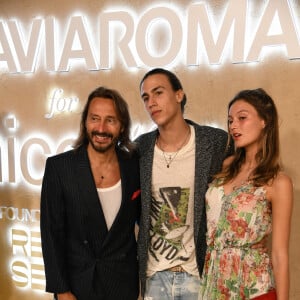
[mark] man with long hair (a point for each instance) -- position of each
(90, 203)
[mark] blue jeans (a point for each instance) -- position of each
(168, 285)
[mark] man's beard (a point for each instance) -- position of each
(106, 147)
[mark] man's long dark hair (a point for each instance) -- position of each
(122, 111)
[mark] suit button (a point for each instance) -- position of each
(85, 242)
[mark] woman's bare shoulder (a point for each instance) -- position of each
(282, 180)
(281, 186)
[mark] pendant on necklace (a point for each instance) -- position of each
(169, 159)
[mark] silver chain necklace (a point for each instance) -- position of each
(171, 158)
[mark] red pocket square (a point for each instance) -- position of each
(135, 194)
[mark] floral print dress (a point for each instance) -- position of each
(233, 270)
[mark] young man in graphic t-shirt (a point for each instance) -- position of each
(177, 161)
(171, 231)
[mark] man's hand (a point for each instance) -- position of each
(66, 296)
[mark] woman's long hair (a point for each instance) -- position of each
(122, 111)
(267, 157)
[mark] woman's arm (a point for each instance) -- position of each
(281, 196)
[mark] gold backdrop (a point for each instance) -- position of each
(53, 53)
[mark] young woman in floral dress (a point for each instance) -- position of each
(248, 200)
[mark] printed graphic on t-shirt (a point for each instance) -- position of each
(168, 219)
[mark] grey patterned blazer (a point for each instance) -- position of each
(211, 145)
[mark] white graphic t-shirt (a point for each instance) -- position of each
(171, 230)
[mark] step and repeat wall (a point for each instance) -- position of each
(54, 53)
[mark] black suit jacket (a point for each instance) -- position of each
(80, 254)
